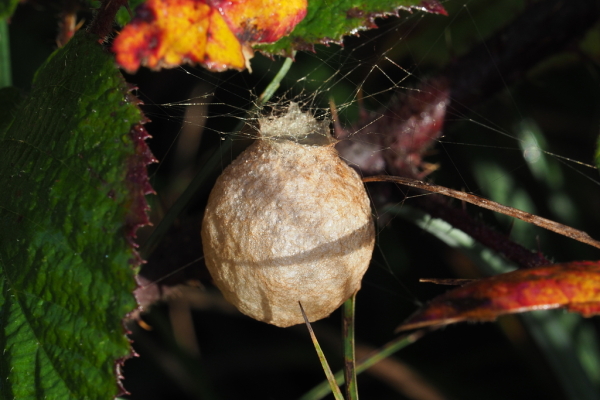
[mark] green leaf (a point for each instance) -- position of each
(69, 171)
(10, 98)
(328, 21)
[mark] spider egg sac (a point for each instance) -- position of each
(288, 221)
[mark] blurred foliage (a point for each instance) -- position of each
(7, 7)
(194, 346)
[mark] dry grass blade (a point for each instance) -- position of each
(322, 389)
(491, 205)
(337, 393)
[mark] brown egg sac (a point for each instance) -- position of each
(288, 221)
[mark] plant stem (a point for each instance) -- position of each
(349, 353)
(5, 70)
(213, 162)
(274, 85)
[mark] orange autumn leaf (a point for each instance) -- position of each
(574, 286)
(262, 21)
(215, 33)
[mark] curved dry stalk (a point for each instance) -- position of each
(490, 205)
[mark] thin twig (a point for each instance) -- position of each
(491, 205)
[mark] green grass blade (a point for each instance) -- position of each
(349, 353)
(323, 389)
(5, 71)
(337, 393)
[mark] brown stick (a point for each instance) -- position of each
(490, 205)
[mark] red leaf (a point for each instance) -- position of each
(217, 33)
(574, 286)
